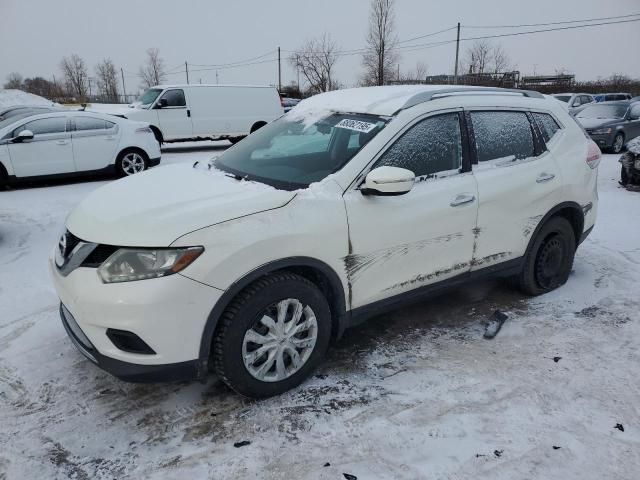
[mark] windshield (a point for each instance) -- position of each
(149, 96)
(562, 98)
(290, 154)
(604, 111)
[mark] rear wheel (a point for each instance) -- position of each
(272, 335)
(548, 263)
(235, 140)
(131, 162)
(618, 143)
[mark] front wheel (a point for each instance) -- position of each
(272, 335)
(131, 162)
(618, 143)
(548, 262)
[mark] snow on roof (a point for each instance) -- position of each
(11, 98)
(386, 101)
(183, 85)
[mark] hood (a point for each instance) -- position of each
(154, 208)
(598, 122)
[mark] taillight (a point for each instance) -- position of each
(593, 154)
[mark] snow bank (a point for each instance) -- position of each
(11, 97)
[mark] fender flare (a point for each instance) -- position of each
(578, 213)
(337, 303)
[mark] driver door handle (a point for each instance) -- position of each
(545, 177)
(462, 199)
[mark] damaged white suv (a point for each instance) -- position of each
(353, 203)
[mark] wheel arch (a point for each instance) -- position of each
(316, 271)
(572, 211)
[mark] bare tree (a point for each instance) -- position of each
(153, 72)
(478, 57)
(75, 75)
(380, 57)
(14, 80)
(500, 59)
(107, 78)
(315, 60)
(418, 74)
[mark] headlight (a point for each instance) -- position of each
(601, 131)
(128, 264)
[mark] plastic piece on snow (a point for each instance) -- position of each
(243, 443)
(327, 464)
(495, 324)
(555, 447)
(619, 427)
(348, 476)
(557, 359)
(498, 453)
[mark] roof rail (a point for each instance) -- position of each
(446, 92)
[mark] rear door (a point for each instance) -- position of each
(518, 183)
(401, 243)
(94, 142)
(175, 118)
(48, 153)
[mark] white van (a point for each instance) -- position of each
(205, 112)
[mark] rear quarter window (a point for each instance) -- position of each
(547, 125)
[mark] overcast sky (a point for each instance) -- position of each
(36, 34)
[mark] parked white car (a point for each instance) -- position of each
(205, 112)
(69, 143)
(355, 202)
(575, 102)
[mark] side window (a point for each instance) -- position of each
(431, 146)
(174, 98)
(584, 99)
(547, 125)
(502, 135)
(89, 123)
(44, 126)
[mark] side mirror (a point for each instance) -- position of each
(388, 181)
(162, 103)
(22, 136)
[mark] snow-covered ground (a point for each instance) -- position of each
(11, 97)
(413, 394)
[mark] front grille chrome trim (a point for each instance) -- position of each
(78, 255)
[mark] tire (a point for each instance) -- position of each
(618, 143)
(235, 140)
(549, 259)
(130, 162)
(257, 126)
(624, 176)
(244, 318)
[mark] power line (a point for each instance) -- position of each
(218, 65)
(552, 23)
(428, 34)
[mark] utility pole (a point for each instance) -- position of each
(186, 70)
(455, 74)
(89, 78)
(279, 72)
(124, 90)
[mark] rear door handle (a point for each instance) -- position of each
(462, 199)
(188, 112)
(545, 177)
(61, 142)
(109, 137)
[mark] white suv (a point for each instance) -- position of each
(353, 203)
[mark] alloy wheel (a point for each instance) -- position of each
(132, 163)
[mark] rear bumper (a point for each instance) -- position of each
(603, 140)
(130, 372)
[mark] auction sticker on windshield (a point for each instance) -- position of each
(356, 125)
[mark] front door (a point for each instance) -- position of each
(400, 243)
(48, 153)
(174, 117)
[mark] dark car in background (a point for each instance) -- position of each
(611, 124)
(288, 103)
(612, 97)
